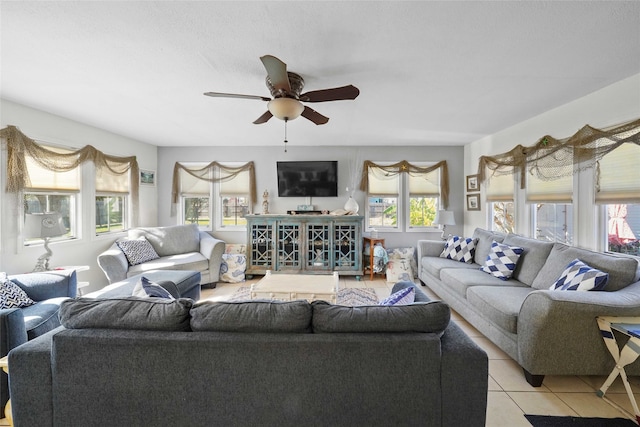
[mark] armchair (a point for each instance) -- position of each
(19, 325)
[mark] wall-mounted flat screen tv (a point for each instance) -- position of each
(308, 179)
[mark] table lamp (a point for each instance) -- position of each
(444, 218)
(44, 226)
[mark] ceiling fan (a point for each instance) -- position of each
(285, 88)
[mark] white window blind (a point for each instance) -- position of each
(192, 185)
(47, 180)
(559, 190)
(383, 184)
(427, 184)
(238, 185)
(109, 182)
(500, 188)
(619, 176)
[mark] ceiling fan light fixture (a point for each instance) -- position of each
(285, 108)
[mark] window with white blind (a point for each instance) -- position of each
(382, 200)
(234, 196)
(500, 192)
(618, 194)
(552, 208)
(50, 191)
(112, 195)
(424, 196)
(195, 196)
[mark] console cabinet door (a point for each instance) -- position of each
(288, 246)
(260, 244)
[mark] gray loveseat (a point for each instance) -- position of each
(147, 363)
(548, 332)
(179, 247)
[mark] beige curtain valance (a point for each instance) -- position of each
(19, 146)
(413, 170)
(552, 158)
(226, 173)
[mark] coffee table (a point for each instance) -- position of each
(289, 287)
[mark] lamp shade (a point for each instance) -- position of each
(444, 218)
(285, 108)
(41, 225)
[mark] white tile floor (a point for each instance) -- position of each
(509, 395)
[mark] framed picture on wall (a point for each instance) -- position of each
(473, 202)
(147, 177)
(472, 183)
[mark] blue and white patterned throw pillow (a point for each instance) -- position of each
(502, 260)
(459, 249)
(13, 296)
(147, 288)
(137, 251)
(402, 297)
(578, 276)
(232, 267)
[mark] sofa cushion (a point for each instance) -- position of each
(500, 305)
(137, 251)
(622, 270)
(177, 239)
(578, 276)
(502, 260)
(13, 296)
(484, 239)
(187, 261)
(252, 316)
(399, 269)
(432, 316)
(402, 297)
(408, 253)
(532, 259)
(460, 281)
(435, 265)
(148, 314)
(459, 249)
(42, 316)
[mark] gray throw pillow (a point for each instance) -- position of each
(157, 314)
(252, 316)
(432, 316)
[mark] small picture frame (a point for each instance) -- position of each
(473, 202)
(147, 177)
(472, 183)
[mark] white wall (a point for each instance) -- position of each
(265, 159)
(614, 104)
(49, 128)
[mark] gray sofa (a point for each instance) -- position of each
(548, 332)
(180, 247)
(19, 325)
(145, 363)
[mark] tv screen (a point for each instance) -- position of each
(308, 179)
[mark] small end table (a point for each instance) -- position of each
(373, 241)
(629, 326)
(4, 365)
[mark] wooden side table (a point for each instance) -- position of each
(4, 364)
(373, 241)
(629, 326)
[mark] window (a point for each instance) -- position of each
(195, 195)
(395, 199)
(618, 193)
(234, 196)
(500, 194)
(112, 193)
(551, 208)
(52, 192)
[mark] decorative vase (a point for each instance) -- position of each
(351, 205)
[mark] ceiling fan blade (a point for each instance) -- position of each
(263, 118)
(277, 71)
(235, 95)
(314, 116)
(334, 94)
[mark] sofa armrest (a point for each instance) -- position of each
(430, 248)
(212, 249)
(47, 285)
(562, 324)
(114, 264)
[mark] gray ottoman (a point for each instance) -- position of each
(179, 283)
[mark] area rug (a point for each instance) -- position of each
(550, 421)
(346, 296)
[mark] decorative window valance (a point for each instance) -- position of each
(206, 173)
(406, 167)
(19, 146)
(552, 158)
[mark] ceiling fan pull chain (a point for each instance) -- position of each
(285, 134)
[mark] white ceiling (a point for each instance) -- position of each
(430, 73)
